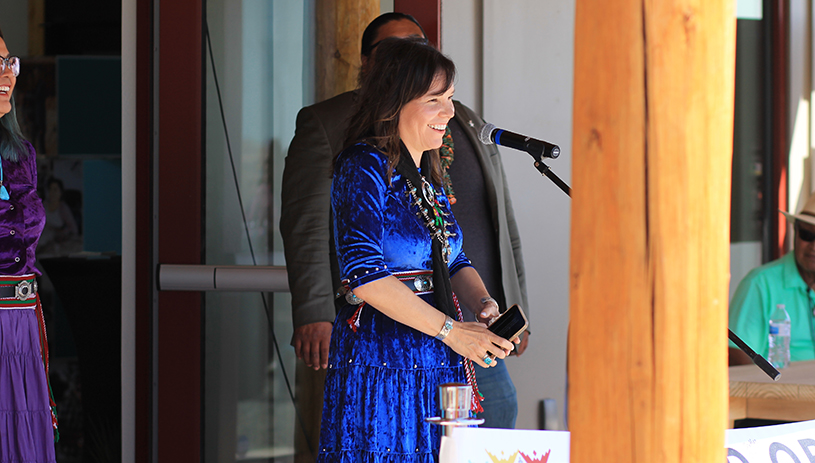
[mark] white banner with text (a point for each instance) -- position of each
(784, 443)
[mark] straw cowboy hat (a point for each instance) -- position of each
(807, 214)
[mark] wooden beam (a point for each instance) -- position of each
(36, 27)
(427, 12)
(779, 17)
(339, 29)
(652, 138)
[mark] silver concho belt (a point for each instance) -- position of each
(23, 291)
(419, 281)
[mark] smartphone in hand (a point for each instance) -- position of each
(510, 324)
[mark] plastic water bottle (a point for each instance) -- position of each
(779, 337)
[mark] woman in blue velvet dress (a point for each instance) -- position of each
(398, 337)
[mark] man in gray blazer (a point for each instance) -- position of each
(481, 205)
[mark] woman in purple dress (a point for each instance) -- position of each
(27, 421)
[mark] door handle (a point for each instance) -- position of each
(249, 278)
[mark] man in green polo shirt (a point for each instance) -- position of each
(789, 281)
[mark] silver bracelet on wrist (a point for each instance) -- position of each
(484, 300)
(445, 330)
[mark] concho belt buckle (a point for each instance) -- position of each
(348, 294)
(25, 290)
(423, 283)
(352, 298)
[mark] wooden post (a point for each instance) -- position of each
(653, 131)
(780, 20)
(339, 29)
(36, 27)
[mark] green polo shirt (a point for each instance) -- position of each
(777, 282)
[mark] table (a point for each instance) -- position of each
(754, 395)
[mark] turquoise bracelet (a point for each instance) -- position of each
(445, 330)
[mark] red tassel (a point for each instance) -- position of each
(469, 370)
(353, 322)
(46, 364)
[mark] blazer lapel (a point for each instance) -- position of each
(471, 125)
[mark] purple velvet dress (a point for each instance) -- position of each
(26, 433)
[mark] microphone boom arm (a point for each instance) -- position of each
(547, 171)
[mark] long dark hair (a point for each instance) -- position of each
(12, 143)
(404, 69)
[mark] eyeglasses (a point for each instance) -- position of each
(12, 62)
(804, 235)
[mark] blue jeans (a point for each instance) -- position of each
(500, 400)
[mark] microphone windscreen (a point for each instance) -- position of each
(486, 134)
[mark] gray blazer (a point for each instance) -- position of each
(305, 217)
(513, 276)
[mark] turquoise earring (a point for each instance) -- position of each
(3, 191)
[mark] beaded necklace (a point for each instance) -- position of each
(431, 213)
(446, 157)
(434, 222)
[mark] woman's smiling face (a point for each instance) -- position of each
(7, 82)
(423, 121)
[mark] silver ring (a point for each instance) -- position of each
(487, 359)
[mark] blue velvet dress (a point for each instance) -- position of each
(383, 376)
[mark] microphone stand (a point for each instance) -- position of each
(760, 361)
(547, 171)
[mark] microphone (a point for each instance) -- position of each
(539, 149)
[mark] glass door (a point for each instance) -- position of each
(256, 80)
